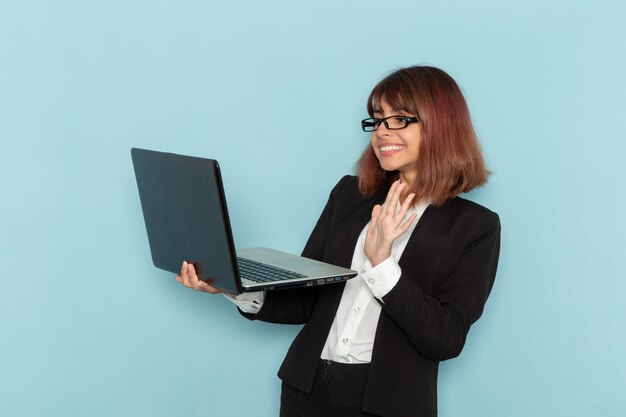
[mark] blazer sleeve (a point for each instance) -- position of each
(294, 306)
(437, 324)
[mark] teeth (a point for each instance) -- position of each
(391, 148)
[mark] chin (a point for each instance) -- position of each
(388, 167)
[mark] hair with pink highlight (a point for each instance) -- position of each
(450, 160)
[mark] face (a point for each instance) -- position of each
(397, 150)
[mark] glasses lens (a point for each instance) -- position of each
(396, 122)
(369, 125)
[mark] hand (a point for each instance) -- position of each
(387, 225)
(189, 279)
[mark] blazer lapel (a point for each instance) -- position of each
(418, 236)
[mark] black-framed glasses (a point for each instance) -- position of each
(395, 122)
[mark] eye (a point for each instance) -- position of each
(396, 122)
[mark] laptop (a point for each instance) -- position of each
(184, 209)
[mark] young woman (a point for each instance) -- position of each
(426, 260)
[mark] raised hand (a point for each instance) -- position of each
(387, 225)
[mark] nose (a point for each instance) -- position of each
(383, 130)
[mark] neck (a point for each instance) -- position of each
(408, 179)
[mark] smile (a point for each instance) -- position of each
(391, 148)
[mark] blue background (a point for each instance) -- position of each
(275, 90)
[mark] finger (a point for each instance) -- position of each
(193, 277)
(203, 286)
(405, 226)
(376, 212)
(407, 201)
(389, 200)
(397, 194)
(191, 271)
(184, 275)
(404, 208)
(390, 192)
(393, 199)
(372, 229)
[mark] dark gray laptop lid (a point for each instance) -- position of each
(178, 229)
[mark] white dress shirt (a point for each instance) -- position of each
(351, 336)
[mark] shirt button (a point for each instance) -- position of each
(371, 281)
(345, 341)
(356, 309)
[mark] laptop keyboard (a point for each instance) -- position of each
(260, 272)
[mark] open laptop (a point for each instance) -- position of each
(184, 208)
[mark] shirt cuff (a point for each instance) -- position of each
(383, 277)
(248, 302)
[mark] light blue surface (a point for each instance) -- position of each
(275, 91)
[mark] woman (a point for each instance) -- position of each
(426, 260)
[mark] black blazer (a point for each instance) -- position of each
(448, 269)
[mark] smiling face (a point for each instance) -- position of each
(397, 150)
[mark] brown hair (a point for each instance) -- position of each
(450, 160)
